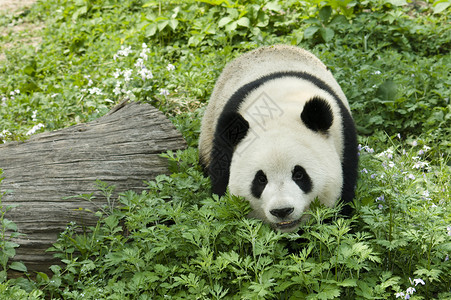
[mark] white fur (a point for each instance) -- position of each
(251, 66)
(278, 140)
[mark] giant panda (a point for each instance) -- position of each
(278, 131)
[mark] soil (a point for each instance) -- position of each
(18, 32)
(12, 6)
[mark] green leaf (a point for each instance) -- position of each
(439, 7)
(310, 32)
(3, 276)
(173, 23)
(327, 34)
(244, 22)
(397, 2)
(150, 4)
(328, 291)
(262, 19)
(387, 90)
(18, 266)
(231, 27)
(42, 278)
(273, 5)
(325, 13)
(348, 282)
(162, 24)
(81, 11)
(224, 21)
(9, 225)
(151, 30)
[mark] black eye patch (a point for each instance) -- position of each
(301, 178)
(258, 184)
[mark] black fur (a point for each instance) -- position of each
(317, 115)
(301, 178)
(258, 184)
(231, 129)
(219, 168)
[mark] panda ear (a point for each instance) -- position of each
(317, 114)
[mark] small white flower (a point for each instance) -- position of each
(411, 176)
(449, 230)
(127, 74)
(170, 67)
(400, 294)
(117, 89)
(414, 143)
(143, 55)
(35, 128)
(145, 74)
(410, 290)
(95, 91)
(144, 51)
(139, 63)
(420, 165)
(33, 116)
(368, 149)
(5, 133)
(377, 73)
(418, 280)
(117, 73)
(12, 93)
(54, 95)
(164, 92)
(125, 51)
(391, 164)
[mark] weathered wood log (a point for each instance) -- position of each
(120, 148)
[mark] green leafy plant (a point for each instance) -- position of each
(175, 239)
(8, 231)
(18, 288)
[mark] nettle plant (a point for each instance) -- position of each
(177, 240)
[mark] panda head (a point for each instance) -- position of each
(282, 169)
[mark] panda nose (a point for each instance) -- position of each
(282, 212)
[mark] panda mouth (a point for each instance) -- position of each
(287, 224)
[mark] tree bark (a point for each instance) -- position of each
(120, 148)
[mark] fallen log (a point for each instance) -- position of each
(121, 148)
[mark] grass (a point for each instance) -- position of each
(391, 59)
